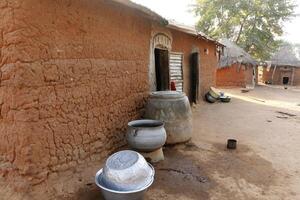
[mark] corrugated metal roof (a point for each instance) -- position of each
(232, 54)
(190, 30)
(288, 55)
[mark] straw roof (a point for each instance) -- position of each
(288, 55)
(234, 54)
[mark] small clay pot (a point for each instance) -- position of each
(231, 144)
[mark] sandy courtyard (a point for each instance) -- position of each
(266, 165)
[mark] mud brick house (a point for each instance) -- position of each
(284, 67)
(73, 73)
(236, 68)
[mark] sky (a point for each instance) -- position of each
(180, 10)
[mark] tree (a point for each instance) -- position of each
(253, 24)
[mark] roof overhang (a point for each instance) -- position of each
(168, 23)
(146, 11)
(191, 31)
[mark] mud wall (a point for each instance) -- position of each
(188, 44)
(208, 66)
(267, 75)
(73, 73)
(297, 77)
(249, 75)
(277, 79)
(231, 76)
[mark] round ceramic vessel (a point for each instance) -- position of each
(173, 108)
(126, 171)
(146, 135)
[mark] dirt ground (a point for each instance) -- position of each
(266, 164)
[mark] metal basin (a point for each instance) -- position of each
(146, 135)
(209, 98)
(110, 194)
(127, 171)
(214, 93)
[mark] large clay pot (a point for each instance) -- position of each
(146, 135)
(174, 109)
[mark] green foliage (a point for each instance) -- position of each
(253, 24)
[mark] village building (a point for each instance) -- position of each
(73, 73)
(236, 67)
(284, 67)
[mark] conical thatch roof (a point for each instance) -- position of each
(234, 54)
(288, 55)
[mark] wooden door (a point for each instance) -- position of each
(194, 63)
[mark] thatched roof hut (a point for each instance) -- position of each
(287, 55)
(234, 54)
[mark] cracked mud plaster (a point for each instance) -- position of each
(73, 73)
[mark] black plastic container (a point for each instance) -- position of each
(231, 144)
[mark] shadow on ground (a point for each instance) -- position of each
(191, 172)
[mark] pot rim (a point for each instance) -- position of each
(161, 123)
(98, 183)
(168, 94)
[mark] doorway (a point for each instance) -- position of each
(285, 80)
(162, 69)
(254, 76)
(194, 63)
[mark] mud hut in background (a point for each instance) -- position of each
(236, 67)
(75, 72)
(284, 66)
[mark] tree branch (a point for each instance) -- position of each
(241, 29)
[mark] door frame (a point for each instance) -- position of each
(159, 40)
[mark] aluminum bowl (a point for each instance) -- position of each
(214, 93)
(110, 194)
(209, 98)
(127, 171)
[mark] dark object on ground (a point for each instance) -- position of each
(225, 99)
(285, 88)
(285, 113)
(231, 144)
(268, 82)
(245, 90)
(209, 98)
(280, 117)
